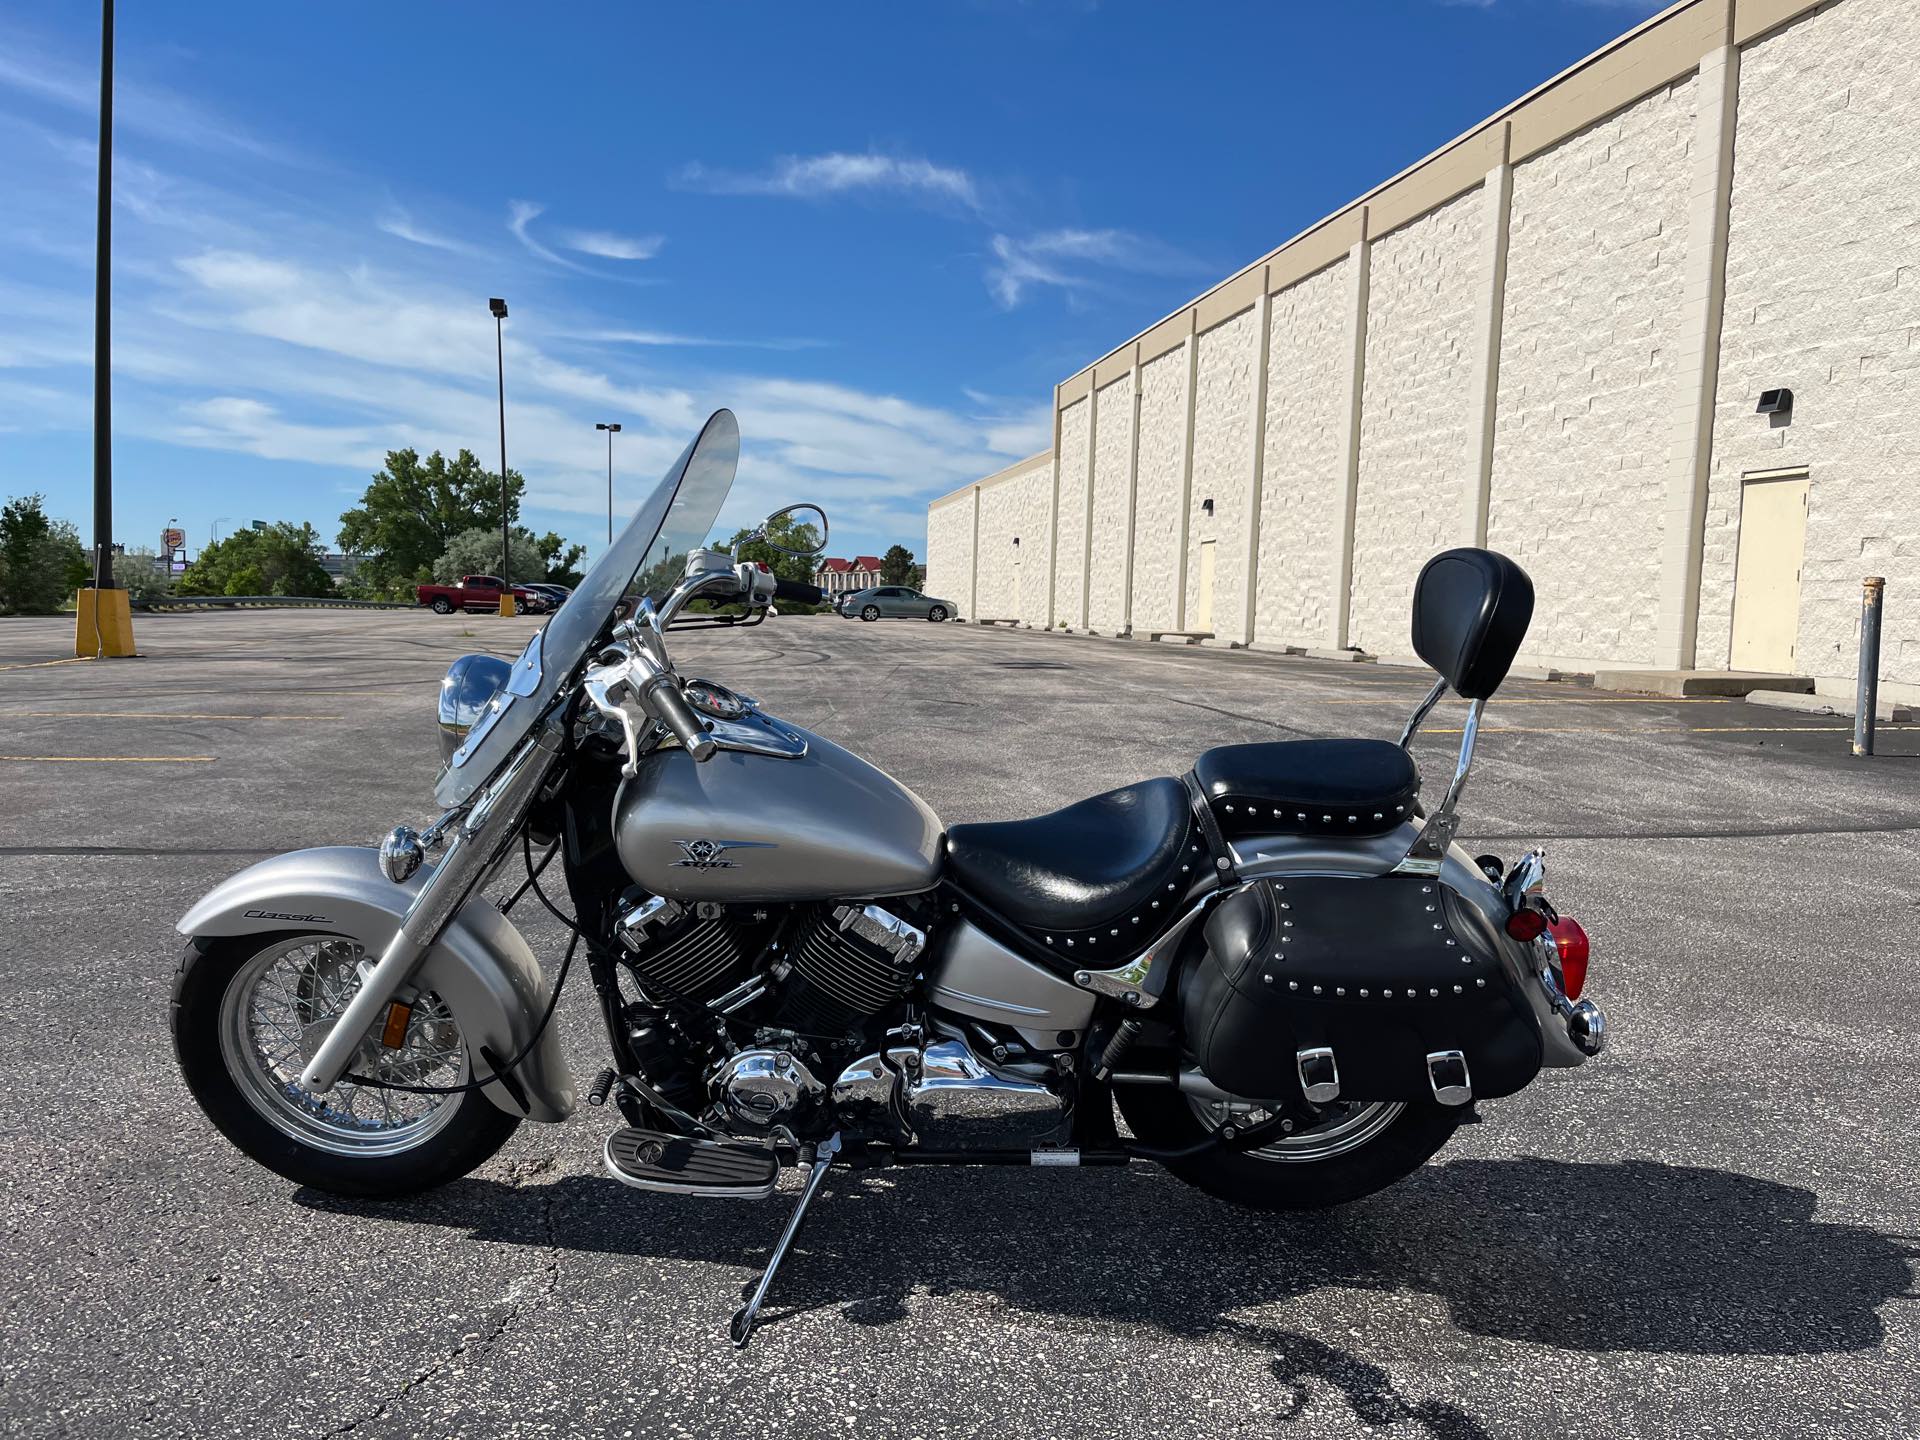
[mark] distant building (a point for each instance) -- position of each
(341, 567)
(842, 577)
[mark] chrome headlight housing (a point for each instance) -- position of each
(470, 686)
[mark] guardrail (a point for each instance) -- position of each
(267, 602)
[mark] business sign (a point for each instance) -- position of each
(172, 539)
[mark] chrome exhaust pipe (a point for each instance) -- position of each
(1587, 1027)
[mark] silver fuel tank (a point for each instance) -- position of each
(819, 825)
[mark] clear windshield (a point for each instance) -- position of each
(645, 558)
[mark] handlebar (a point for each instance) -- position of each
(661, 695)
(799, 592)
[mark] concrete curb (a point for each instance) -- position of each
(1886, 710)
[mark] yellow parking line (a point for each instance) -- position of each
(42, 664)
(112, 759)
(146, 715)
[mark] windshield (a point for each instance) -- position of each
(672, 520)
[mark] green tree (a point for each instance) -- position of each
(477, 552)
(784, 530)
(283, 559)
(41, 560)
(562, 560)
(896, 566)
(142, 574)
(413, 510)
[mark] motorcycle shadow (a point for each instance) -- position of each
(1626, 1256)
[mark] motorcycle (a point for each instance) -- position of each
(1279, 968)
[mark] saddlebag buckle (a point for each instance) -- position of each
(1319, 1075)
(1447, 1074)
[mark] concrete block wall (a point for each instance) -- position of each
(1222, 467)
(1070, 512)
(1112, 492)
(1823, 297)
(950, 569)
(1549, 333)
(1589, 337)
(1158, 533)
(1413, 418)
(1300, 511)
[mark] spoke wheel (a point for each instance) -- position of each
(280, 1007)
(1346, 1128)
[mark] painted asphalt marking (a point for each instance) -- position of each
(42, 664)
(1664, 729)
(146, 715)
(110, 759)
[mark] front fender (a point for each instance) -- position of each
(480, 965)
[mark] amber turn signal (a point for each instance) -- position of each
(394, 1033)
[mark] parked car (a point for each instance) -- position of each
(479, 592)
(556, 594)
(894, 602)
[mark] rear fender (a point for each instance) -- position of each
(480, 965)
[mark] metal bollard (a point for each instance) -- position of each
(1867, 698)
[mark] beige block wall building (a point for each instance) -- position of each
(1549, 336)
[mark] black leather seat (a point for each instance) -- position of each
(1113, 861)
(1309, 787)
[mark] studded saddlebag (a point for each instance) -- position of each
(1384, 972)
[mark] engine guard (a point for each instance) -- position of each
(480, 965)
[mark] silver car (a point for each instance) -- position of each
(894, 602)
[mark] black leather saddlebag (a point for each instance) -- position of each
(1382, 971)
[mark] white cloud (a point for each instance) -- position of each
(1066, 258)
(814, 177)
(668, 338)
(399, 223)
(520, 215)
(613, 247)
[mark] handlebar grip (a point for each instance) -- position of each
(666, 704)
(799, 592)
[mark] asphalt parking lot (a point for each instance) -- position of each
(1710, 1231)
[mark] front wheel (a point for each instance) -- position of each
(872, 612)
(248, 1012)
(937, 614)
(1357, 1149)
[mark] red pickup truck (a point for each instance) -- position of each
(478, 592)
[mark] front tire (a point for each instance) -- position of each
(1363, 1148)
(247, 1011)
(872, 612)
(937, 614)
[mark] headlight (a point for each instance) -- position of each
(471, 682)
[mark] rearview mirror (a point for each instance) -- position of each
(796, 530)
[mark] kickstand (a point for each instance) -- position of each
(748, 1315)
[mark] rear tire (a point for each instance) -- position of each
(442, 605)
(937, 614)
(872, 612)
(1385, 1149)
(361, 1159)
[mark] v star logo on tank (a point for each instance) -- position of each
(705, 854)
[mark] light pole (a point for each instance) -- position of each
(612, 430)
(499, 309)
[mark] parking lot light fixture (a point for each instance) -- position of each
(612, 430)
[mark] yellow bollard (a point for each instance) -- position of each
(506, 604)
(103, 624)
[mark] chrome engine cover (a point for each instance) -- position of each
(949, 1097)
(759, 1088)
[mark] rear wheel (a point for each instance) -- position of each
(937, 614)
(248, 1012)
(442, 605)
(872, 612)
(1355, 1150)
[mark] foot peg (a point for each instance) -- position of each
(748, 1315)
(1447, 1074)
(682, 1165)
(1319, 1075)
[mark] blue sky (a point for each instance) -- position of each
(880, 232)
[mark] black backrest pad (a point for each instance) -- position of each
(1471, 609)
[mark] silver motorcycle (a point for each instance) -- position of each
(1279, 967)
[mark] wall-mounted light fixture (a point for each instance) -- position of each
(1207, 505)
(1775, 402)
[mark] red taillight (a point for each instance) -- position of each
(1571, 941)
(1524, 924)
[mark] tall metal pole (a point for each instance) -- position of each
(102, 324)
(610, 485)
(1866, 698)
(506, 549)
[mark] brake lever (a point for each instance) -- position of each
(599, 693)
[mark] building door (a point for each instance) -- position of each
(1203, 615)
(1766, 576)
